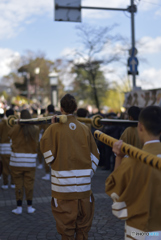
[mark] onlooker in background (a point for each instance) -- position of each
(1, 114)
(106, 155)
(1, 117)
(5, 151)
(41, 131)
(34, 113)
(49, 112)
(82, 112)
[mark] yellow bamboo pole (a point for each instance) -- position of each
(131, 151)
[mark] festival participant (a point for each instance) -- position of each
(136, 187)
(71, 151)
(130, 134)
(23, 161)
(83, 113)
(5, 151)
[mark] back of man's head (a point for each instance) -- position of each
(68, 103)
(51, 108)
(150, 117)
(134, 112)
(9, 112)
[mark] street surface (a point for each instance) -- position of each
(41, 224)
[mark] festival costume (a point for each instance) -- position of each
(130, 136)
(136, 191)
(71, 151)
(23, 163)
(5, 151)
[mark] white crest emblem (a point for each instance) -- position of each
(72, 126)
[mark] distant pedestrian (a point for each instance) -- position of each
(49, 112)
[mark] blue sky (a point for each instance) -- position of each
(29, 25)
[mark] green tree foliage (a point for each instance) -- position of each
(114, 96)
(86, 80)
(29, 64)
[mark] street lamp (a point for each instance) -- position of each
(53, 77)
(36, 71)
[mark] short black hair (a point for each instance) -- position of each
(150, 117)
(51, 108)
(68, 103)
(82, 112)
(25, 114)
(9, 112)
(134, 112)
(34, 111)
(42, 110)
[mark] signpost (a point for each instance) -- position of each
(133, 64)
(67, 10)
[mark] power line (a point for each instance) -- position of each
(152, 3)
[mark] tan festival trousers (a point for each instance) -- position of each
(73, 217)
(23, 179)
(6, 169)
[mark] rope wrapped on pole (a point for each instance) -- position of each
(131, 151)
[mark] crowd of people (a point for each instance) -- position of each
(70, 156)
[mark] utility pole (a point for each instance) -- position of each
(133, 9)
(72, 12)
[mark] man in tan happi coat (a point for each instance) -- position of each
(5, 151)
(71, 151)
(136, 187)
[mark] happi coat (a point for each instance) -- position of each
(136, 192)
(72, 153)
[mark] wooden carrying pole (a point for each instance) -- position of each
(131, 151)
(96, 121)
(12, 120)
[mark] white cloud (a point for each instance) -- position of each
(150, 45)
(68, 52)
(106, 4)
(100, 14)
(141, 6)
(6, 57)
(152, 78)
(17, 12)
(148, 5)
